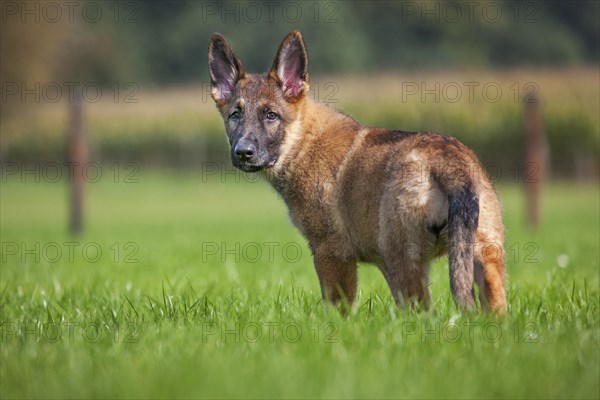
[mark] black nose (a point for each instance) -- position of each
(245, 149)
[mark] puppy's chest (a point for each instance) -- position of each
(311, 207)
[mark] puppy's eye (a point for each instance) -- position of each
(234, 115)
(271, 116)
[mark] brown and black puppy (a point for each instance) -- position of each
(392, 198)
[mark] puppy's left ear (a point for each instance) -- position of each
(290, 68)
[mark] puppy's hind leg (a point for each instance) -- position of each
(408, 282)
(406, 269)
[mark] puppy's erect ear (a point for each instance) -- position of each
(224, 67)
(290, 68)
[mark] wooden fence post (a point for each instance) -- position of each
(533, 168)
(77, 149)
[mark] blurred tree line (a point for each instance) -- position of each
(164, 42)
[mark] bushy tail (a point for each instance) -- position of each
(463, 217)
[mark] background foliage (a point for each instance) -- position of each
(165, 42)
(137, 50)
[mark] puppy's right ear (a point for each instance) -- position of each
(224, 67)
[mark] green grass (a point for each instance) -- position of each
(183, 322)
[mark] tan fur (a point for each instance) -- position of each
(375, 195)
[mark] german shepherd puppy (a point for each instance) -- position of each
(392, 198)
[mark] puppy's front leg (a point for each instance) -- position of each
(337, 275)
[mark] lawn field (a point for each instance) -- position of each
(195, 285)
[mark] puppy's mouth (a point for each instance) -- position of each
(250, 167)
